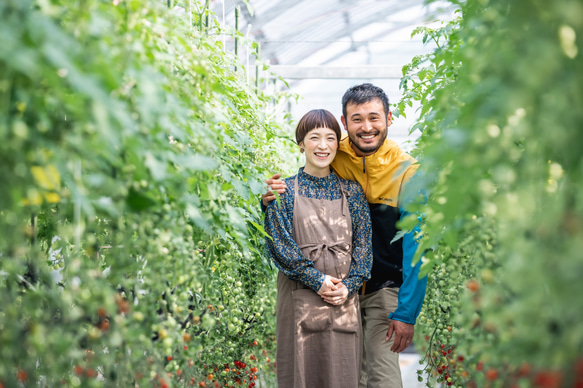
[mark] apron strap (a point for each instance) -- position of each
(297, 284)
(341, 247)
(345, 194)
(343, 190)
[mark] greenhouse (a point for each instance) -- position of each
(139, 142)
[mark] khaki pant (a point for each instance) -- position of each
(380, 367)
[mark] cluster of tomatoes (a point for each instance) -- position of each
(453, 370)
(86, 372)
(537, 378)
(237, 374)
(445, 366)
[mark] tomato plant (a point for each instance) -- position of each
(502, 167)
(132, 157)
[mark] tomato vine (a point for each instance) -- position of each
(502, 229)
(133, 152)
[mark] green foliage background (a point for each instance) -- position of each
(132, 155)
(132, 151)
(503, 232)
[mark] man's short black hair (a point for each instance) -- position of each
(361, 94)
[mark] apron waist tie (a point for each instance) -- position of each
(338, 247)
(315, 251)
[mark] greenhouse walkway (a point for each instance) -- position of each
(409, 362)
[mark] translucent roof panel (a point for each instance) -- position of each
(331, 45)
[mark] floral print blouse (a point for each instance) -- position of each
(286, 253)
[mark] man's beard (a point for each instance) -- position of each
(370, 149)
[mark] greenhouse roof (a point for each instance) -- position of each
(322, 47)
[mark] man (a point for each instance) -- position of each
(391, 300)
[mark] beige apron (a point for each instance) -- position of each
(318, 344)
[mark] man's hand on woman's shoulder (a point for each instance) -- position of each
(273, 184)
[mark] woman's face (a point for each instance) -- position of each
(320, 145)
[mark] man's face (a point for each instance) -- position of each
(366, 125)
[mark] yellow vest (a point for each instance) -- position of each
(381, 175)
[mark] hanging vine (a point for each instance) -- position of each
(132, 157)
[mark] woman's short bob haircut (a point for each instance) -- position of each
(317, 118)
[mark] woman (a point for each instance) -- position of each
(321, 243)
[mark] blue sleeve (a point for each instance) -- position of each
(412, 291)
